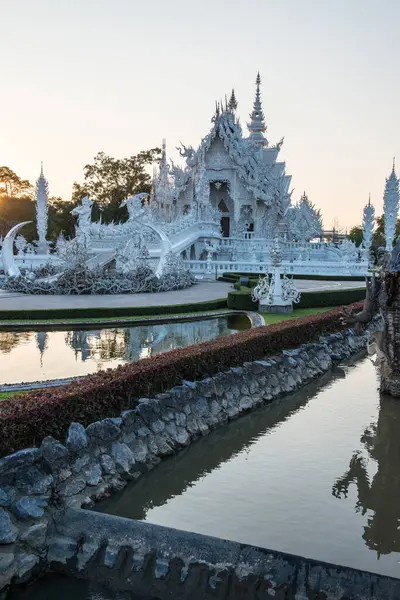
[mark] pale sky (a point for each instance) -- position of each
(80, 76)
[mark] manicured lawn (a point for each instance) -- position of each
(5, 395)
(31, 323)
(299, 312)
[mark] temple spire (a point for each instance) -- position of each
(233, 102)
(391, 199)
(257, 126)
(41, 200)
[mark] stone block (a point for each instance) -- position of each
(23, 458)
(6, 560)
(55, 454)
(33, 481)
(7, 496)
(93, 475)
(180, 419)
(30, 507)
(107, 464)
(123, 457)
(35, 535)
(25, 564)
(72, 486)
(139, 450)
(8, 531)
(77, 439)
(157, 426)
(103, 431)
(80, 464)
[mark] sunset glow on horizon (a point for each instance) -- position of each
(119, 76)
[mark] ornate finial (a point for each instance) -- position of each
(394, 162)
(232, 101)
(41, 168)
(257, 124)
(369, 199)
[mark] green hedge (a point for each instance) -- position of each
(25, 420)
(330, 298)
(241, 300)
(109, 312)
(232, 277)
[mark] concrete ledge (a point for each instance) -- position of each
(164, 563)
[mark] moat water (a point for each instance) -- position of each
(27, 356)
(315, 474)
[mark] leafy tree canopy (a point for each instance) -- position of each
(109, 181)
(12, 186)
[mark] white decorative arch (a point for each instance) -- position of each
(9, 264)
(165, 246)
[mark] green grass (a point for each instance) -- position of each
(299, 312)
(5, 395)
(140, 319)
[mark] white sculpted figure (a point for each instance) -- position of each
(304, 220)
(262, 289)
(134, 206)
(190, 154)
(84, 214)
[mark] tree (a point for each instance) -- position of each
(12, 186)
(17, 210)
(356, 235)
(60, 218)
(109, 181)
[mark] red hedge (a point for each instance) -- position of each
(26, 420)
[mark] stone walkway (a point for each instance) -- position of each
(210, 290)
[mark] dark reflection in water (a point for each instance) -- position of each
(267, 478)
(57, 587)
(178, 473)
(378, 496)
(33, 356)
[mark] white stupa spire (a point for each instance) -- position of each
(41, 200)
(368, 224)
(257, 126)
(391, 207)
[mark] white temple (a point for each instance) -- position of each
(220, 211)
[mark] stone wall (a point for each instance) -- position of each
(95, 461)
(158, 562)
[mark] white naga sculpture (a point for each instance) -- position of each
(9, 264)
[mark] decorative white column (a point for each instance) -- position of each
(41, 200)
(391, 208)
(368, 228)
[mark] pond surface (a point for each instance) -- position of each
(38, 355)
(315, 474)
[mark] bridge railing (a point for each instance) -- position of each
(353, 269)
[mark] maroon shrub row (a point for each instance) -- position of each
(26, 420)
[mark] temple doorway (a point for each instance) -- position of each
(225, 226)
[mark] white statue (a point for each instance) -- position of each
(84, 213)
(134, 206)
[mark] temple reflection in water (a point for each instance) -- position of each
(34, 356)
